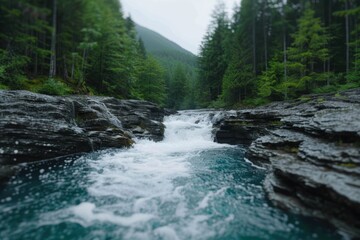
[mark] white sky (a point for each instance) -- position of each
(182, 21)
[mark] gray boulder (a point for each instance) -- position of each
(35, 127)
(311, 148)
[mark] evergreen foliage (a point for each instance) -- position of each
(277, 50)
(213, 59)
(268, 50)
(172, 57)
(151, 84)
(87, 46)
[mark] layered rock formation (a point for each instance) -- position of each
(312, 150)
(36, 127)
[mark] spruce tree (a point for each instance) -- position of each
(212, 60)
(309, 51)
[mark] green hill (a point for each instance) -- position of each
(175, 61)
(164, 49)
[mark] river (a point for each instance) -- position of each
(185, 187)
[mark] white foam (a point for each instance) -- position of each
(88, 213)
(197, 227)
(205, 201)
(254, 165)
(141, 179)
(146, 171)
(166, 233)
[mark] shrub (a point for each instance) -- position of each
(54, 87)
(3, 87)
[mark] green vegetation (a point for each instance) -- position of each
(79, 47)
(348, 165)
(270, 50)
(150, 85)
(180, 68)
(53, 87)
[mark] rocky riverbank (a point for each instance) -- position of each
(312, 150)
(311, 146)
(36, 127)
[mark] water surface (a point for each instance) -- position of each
(186, 187)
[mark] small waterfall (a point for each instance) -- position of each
(190, 127)
(103, 109)
(186, 132)
(91, 143)
(73, 113)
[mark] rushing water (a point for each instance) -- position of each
(186, 187)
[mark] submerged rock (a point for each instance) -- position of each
(36, 127)
(312, 150)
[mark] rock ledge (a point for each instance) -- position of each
(312, 150)
(36, 127)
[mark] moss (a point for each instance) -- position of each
(320, 99)
(338, 95)
(243, 123)
(79, 120)
(290, 149)
(236, 122)
(277, 123)
(304, 98)
(347, 165)
(341, 97)
(293, 150)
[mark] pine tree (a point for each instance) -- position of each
(150, 84)
(177, 89)
(352, 12)
(52, 72)
(309, 51)
(240, 76)
(212, 60)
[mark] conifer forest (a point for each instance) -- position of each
(267, 50)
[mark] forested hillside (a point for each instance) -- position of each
(75, 46)
(179, 64)
(268, 50)
(271, 50)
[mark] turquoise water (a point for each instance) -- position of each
(186, 187)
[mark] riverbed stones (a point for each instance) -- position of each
(311, 147)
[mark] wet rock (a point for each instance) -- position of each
(239, 131)
(169, 111)
(36, 127)
(312, 150)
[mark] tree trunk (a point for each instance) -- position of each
(265, 37)
(347, 37)
(357, 51)
(36, 56)
(329, 60)
(82, 78)
(284, 44)
(66, 73)
(53, 43)
(73, 67)
(101, 71)
(254, 39)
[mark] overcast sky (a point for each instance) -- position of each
(182, 21)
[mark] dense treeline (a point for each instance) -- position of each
(75, 46)
(276, 50)
(180, 76)
(180, 68)
(269, 50)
